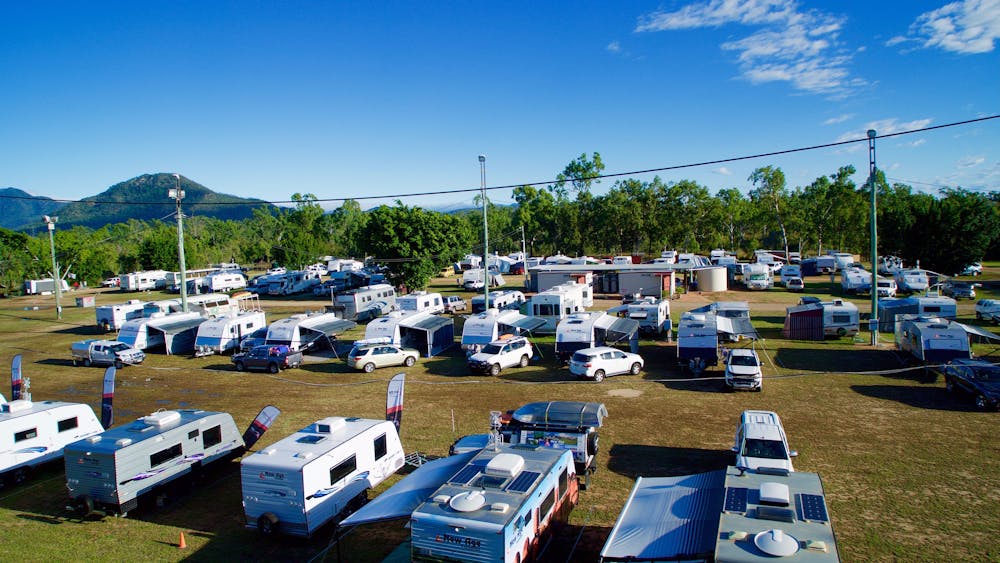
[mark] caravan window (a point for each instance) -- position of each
(932, 309)
(25, 435)
(564, 481)
(380, 447)
(343, 469)
(546, 310)
(163, 456)
(68, 424)
(212, 436)
(841, 318)
(546, 506)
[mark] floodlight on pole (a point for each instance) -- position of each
(56, 278)
(486, 235)
(178, 194)
(874, 235)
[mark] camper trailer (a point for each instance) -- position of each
(757, 276)
(653, 315)
(113, 471)
(501, 506)
(931, 340)
(590, 329)
(557, 302)
(217, 335)
(144, 281)
(429, 334)
(33, 433)
(473, 279)
(911, 280)
(45, 285)
(317, 474)
(112, 317)
(502, 300)
(840, 318)
(365, 303)
(305, 331)
(421, 301)
(482, 328)
(854, 280)
(224, 281)
(697, 341)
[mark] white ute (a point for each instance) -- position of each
(743, 370)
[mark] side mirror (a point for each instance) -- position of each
(793, 453)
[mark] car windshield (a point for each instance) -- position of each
(743, 361)
(356, 351)
(990, 373)
(118, 347)
(491, 349)
(767, 449)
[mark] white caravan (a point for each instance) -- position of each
(886, 287)
(590, 329)
(911, 280)
(294, 282)
(45, 285)
(421, 301)
(318, 474)
(840, 318)
(842, 259)
(757, 276)
(304, 331)
(217, 335)
(652, 314)
(143, 281)
(558, 302)
(112, 317)
(482, 328)
(931, 340)
(366, 302)
(854, 280)
(504, 299)
(224, 281)
(697, 341)
(387, 327)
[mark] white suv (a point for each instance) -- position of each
(501, 354)
(596, 363)
(761, 443)
(743, 370)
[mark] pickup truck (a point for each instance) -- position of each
(105, 352)
(267, 358)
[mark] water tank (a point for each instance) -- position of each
(711, 279)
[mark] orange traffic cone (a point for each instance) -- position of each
(182, 544)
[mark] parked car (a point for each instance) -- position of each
(105, 352)
(453, 303)
(977, 378)
(795, 284)
(267, 358)
(959, 289)
(973, 269)
(760, 442)
(112, 282)
(367, 357)
(596, 363)
(743, 370)
(501, 354)
(988, 310)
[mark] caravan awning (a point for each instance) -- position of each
(622, 329)
(738, 326)
(525, 323)
(329, 326)
(178, 326)
(404, 497)
(976, 331)
(429, 323)
(618, 309)
(668, 519)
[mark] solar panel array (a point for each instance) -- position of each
(736, 499)
(523, 482)
(813, 508)
(465, 474)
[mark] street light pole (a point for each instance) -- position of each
(56, 278)
(874, 235)
(486, 235)
(178, 194)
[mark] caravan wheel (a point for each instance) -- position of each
(20, 475)
(841, 332)
(267, 524)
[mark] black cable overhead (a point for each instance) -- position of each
(538, 183)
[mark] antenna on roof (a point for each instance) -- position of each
(495, 429)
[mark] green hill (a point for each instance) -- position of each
(19, 208)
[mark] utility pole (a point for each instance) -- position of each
(524, 254)
(178, 194)
(486, 235)
(56, 278)
(874, 235)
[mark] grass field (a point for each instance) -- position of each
(911, 473)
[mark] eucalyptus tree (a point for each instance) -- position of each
(769, 192)
(536, 213)
(735, 219)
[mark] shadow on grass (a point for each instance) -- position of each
(836, 359)
(633, 460)
(935, 398)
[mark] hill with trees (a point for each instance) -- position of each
(19, 208)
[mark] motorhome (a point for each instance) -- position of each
(317, 474)
(590, 329)
(35, 432)
(224, 281)
(757, 276)
(500, 506)
(789, 271)
(220, 334)
(365, 303)
(697, 341)
(45, 285)
(840, 318)
(113, 471)
(886, 287)
(558, 302)
(112, 317)
(482, 328)
(931, 340)
(421, 301)
(503, 300)
(854, 280)
(144, 281)
(911, 280)
(305, 331)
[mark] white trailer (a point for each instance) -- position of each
(144, 280)
(697, 341)
(161, 307)
(558, 302)
(421, 301)
(854, 280)
(45, 285)
(840, 318)
(219, 334)
(911, 280)
(387, 326)
(294, 282)
(482, 328)
(224, 281)
(931, 340)
(318, 474)
(652, 314)
(365, 303)
(504, 299)
(592, 328)
(304, 331)
(112, 317)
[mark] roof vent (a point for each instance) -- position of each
(162, 418)
(500, 507)
(468, 501)
(441, 499)
(122, 442)
(505, 465)
(774, 493)
(330, 424)
(776, 543)
(16, 406)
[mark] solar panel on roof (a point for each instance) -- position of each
(813, 508)
(736, 499)
(523, 482)
(465, 474)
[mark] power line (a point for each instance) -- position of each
(537, 183)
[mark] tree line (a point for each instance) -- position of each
(944, 232)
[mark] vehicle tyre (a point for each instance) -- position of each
(495, 370)
(240, 366)
(119, 364)
(981, 404)
(20, 475)
(267, 524)
(83, 505)
(636, 368)
(599, 375)
(273, 367)
(409, 361)
(369, 367)
(86, 362)
(841, 332)
(593, 443)
(524, 361)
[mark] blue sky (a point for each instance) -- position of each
(339, 99)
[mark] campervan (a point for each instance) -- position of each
(559, 301)
(854, 280)
(789, 271)
(217, 335)
(911, 280)
(365, 303)
(113, 471)
(502, 300)
(421, 301)
(931, 340)
(697, 341)
(144, 281)
(501, 506)
(112, 317)
(46, 285)
(305, 331)
(757, 276)
(317, 474)
(589, 329)
(653, 315)
(482, 328)
(840, 318)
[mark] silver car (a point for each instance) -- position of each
(369, 357)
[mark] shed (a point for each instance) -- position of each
(804, 322)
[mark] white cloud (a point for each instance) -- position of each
(614, 47)
(917, 143)
(967, 27)
(838, 119)
(794, 46)
(970, 161)
(885, 127)
(724, 171)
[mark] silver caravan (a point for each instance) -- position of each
(317, 474)
(854, 280)
(217, 335)
(35, 432)
(590, 329)
(144, 281)
(112, 471)
(931, 340)
(502, 300)
(365, 303)
(421, 301)
(840, 318)
(911, 280)
(560, 301)
(112, 317)
(482, 328)
(697, 341)
(306, 331)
